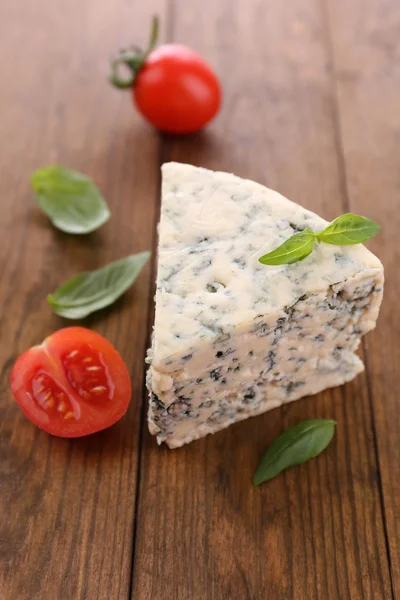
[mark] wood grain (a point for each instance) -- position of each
(366, 52)
(67, 507)
(311, 93)
(317, 531)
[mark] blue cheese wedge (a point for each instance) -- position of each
(234, 338)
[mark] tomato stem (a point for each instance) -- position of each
(155, 27)
(133, 59)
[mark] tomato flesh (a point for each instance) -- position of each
(51, 397)
(73, 384)
(176, 90)
(88, 374)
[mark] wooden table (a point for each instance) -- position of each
(311, 108)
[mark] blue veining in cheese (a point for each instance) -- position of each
(232, 337)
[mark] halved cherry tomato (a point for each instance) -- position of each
(173, 87)
(73, 384)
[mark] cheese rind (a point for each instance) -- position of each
(234, 338)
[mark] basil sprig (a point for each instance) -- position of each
(295, 446)
(345, 230)
(71, 200)
(89, 291)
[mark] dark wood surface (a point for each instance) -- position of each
(311, 108)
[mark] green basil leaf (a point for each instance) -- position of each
(294, 447)
(293, 250)
(71, 201)
(87, 292)
(348, 229)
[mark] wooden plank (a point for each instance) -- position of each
(68, 506)
(315, 532)
(365, 44)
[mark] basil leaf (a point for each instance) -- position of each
(293, 250)
(294, 447)
(348, 229)
(71, 201)
(87, 292)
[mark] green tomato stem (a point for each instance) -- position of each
(133, 59)
(114, 77)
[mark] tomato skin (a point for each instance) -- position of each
(74, 384)
(176, 90)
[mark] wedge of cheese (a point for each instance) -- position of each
(232, 337)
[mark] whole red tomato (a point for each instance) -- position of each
(176, 90)
(73, 384)
(172, 86)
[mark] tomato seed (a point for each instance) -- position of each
(50, 403)
(62, 407)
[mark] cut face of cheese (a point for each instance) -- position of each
(232, 337)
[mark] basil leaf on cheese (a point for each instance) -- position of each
(348, 229)
(87, 292)
(294, 447)
(296, 248)
(343, 231)
(71, 200)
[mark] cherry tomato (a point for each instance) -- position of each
(176, 90)
(173, 87)
(73, 384)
